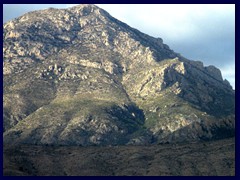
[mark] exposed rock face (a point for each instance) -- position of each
(78, 76)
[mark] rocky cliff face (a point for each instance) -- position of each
(78, 76)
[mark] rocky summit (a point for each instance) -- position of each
(78, 76)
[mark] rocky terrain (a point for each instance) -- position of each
(199, 159)
(78, 76)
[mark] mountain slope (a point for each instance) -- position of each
(78, 76)
(213, 158)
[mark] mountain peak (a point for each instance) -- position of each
(83, 6)
(85, 9)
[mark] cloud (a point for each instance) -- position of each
(228, 72)
(175, 21)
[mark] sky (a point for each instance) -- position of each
(203, 32)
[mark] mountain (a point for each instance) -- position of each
(78, 76)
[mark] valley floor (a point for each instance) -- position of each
(198, 159)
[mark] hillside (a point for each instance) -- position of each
(213, 158)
